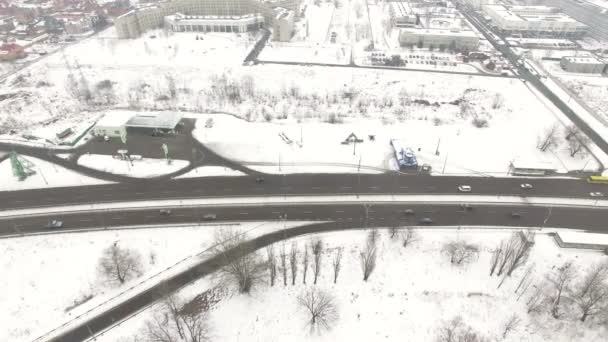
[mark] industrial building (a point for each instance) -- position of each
(118, 123)
(438, 38)
(587, 64)
(245, 14)
(531, 21)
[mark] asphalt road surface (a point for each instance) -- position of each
(343, 217)
(592, 219)
(297, 184)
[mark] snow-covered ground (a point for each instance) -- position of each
(139, 168)
(48, 175)
(412, 293)
(41, 291)
(211, 171)
(316, 145)
(306, 53)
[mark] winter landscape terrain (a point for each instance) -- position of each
(144, 192)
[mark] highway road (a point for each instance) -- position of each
(296, 184)
(355, 214)
(340, 217)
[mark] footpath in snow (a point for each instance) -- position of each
(139, 168)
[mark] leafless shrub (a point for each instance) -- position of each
(120, 264)
(577, 144)
(511, 325)
(457, 331)
(498, 101)
(548, 138)
(537, 300)
(337, 264)
(368, 255)
(461, 252)
(511, 254)
(409, 236)
(177, 325)
(320, 307)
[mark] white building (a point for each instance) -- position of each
(527, 22)
(112, 124)
(439, 38)
(213, 23)
(283, 24)
(587, 64)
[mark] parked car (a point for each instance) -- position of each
(464, 188)
(425, 220)
(526, 186)
(210, 217)
(596, 194)
(54, 224)
(165, 212)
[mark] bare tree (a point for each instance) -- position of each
(408, 236)
(497, 255)
(511, 325)
(320, 307)
(591, 294)
(305, 263)
(120, 264)
(272, 264)
(317, 252)
(548, 138)
(521, 252)
(498, 101)
(394, 229)
(537, 299)
(577, 144)
(461, 252)
(368, 255)
(239, 266)
(457, 331)
(525, 281)
(560, 279)
(283, 258)
(179, 324)
(337, 264)
(571, 131)
(293, 262)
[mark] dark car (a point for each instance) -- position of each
(259, 180)
(466, 207)
(425, 220)
(54, 224)
(210, 217)
(165, 212)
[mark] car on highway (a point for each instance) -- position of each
(210, 217)
(515, 214)
(425, 220)
(466, 207)
(259, 180)
(596, 194)
(165, 212)
(54, 224)
(526, 186)
(408, 212)
(464, 188)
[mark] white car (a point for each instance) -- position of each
(464, 188)
(526, 186)
(596, 194)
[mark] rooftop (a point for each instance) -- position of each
(161, 120)
(114, 118)
(584, 60)
(439, 32)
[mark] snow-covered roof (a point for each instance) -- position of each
(161, 120)
(583, 60)
(114, 119)
(533, 164)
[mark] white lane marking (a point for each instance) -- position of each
(316, 188)
(339, 211)
(139, 193)
(346, 187)
(374, 187)
(403, 187)
(307, 212)
(243, 213)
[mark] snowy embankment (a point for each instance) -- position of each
(47, 175)
(410, 296)
(211, 171)
(42, 291)
(139, 168)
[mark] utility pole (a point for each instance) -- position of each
(359, 177)
(445, 162)
(437, 149)
(354, 146)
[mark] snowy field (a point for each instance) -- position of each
(306, 53)
(410, 296)
(211, 171)
(139, 168)
(37, 299)
(47, 175)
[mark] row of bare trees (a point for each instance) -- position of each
(511, 253)
(577, 141)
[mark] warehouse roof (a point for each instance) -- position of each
(160, 120)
